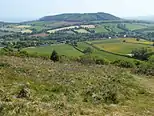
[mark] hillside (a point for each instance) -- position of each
(36, 87)
(77, 17)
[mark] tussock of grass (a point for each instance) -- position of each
(32, 86)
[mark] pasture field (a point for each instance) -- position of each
(81, 31)
(62, 49)
(23, 26)
(109, 27)
(100, 29)
(100, 54)
(133, 40)
(135, 26)
(82, 46)
(120, 47)
(69, 51)
(26, 31)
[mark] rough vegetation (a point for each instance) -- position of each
(32, 86)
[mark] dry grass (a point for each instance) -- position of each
(66, 89)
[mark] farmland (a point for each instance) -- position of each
(135, 26)
(77, 65)
(62, 49)
(120, 47)
(81, 31)
(76, 28)
(110, 45)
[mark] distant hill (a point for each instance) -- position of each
(143, 18)
(78, 17)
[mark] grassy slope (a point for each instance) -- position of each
(70, 89)
(62, 49)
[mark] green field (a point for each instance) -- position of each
(120, 47)
(111, 27)
(100, 54)
(81, 31)
(62, 49)
(100, 29)
(135, 26)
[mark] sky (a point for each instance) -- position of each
(22, 10)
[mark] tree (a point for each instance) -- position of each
(124, 40)
(141, 53)
(54, 56)
(138, 39)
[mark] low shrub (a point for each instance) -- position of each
(124, 63)
(145, 68)
(102, 61)
(86, 59)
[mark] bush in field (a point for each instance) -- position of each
(86, 59)
(88, 50)
(145, 68)
(102, 61)
(54, 56)
(124, 41)
(151, 59)
(124, 64)
(141, 53)
(138, 39)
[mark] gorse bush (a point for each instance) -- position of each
(124, 64)
(145, 68)
(102, 61)
(87, 59)
(141, 53)
(54, 56)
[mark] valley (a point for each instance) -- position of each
(75, 64)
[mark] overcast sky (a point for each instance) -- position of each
(32, 9)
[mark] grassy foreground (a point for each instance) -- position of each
(36, 87)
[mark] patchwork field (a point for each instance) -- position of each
(17, 28)
(120, 47)
(100, 54)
